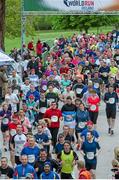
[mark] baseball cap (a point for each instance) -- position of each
(89, 123)
(47, 164)
(31, 96)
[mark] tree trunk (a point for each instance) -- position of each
(2, 23)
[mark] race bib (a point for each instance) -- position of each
(90, 155)
(111, 100)
(81, 125)
(69, 117)
(54, 119)
(44, 87)
(13, 132)
(5, 121)
(87, 71)
(117, 58)
(31, 158)
(105, 74)
(43, 109)
(79, 90)
(3, 176)
(93, 107)
(16, 91)
(96, 85)
(50, 100)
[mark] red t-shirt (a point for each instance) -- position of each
(54, 115)
(64, 70)
(93, 103)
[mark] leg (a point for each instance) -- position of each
(95, 117)
(55, 136)
(113, 121)
(108, 120)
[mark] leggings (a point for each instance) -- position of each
(93, 116)
(54, 132)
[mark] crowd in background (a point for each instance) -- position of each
(49, 113)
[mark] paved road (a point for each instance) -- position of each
(107, 145)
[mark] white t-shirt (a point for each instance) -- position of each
(19, 142)
(25, 89)
(13, 97)
(71, 94)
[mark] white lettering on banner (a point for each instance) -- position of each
(77, 6)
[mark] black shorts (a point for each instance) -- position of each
(17, 161)
(90, 166)
(4, 128)
(111, 113)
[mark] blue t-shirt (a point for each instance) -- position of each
(41, 138)
(90, 150)
(22, 171)
(81, 117)
(58, 148)
(85, 131)
(32, 153)
(50, 175)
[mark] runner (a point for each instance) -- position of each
(22, 170)
(5, 117)
(55, 116)
(68, 159)
(32, 151)
(93, 102)
(82, 116)
(42, 139)
(6, 172)
(83, 173)
(69, 114)
(17, 143)
(90, 149)
(48, 174)
(111, 98)
(43, 158)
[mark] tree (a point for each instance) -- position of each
(2, 23)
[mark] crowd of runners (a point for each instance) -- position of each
(49, 113)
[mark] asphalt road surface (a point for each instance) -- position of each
(107, 144)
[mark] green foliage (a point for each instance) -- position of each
(13, 20)
(42, 22)
(83, 22)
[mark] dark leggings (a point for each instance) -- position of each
(54, 132)
(93, 116)
(66, 176)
